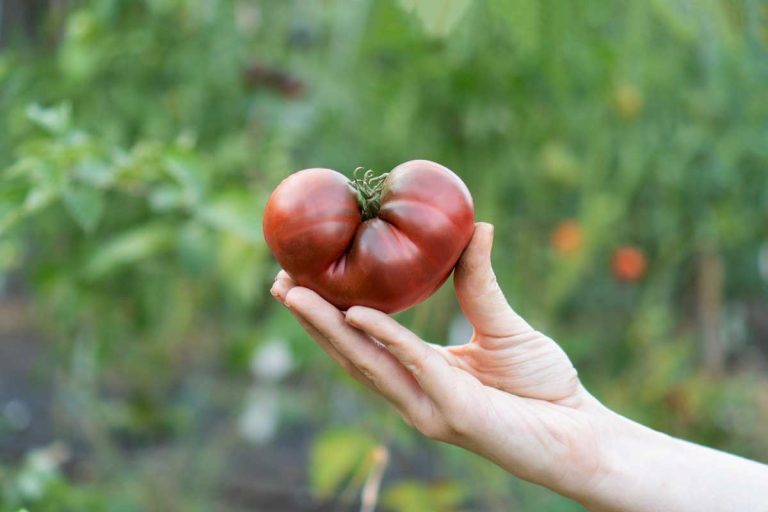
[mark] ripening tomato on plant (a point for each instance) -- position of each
(629, 263)
(568, 237)
(386, 242)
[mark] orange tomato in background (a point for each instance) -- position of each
(567, 237)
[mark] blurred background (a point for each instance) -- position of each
(620, 148)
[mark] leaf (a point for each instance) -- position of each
(84, 204)
(128, 248)
(414, 496)
(183, 169)
(165, 197)
(55, 119)
(335, 455)
(522, 19)
(438, 17)
(234, 213)
(676, 16)
(11, 204)
(94, 172)
(38, 198)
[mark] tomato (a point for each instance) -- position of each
(385, 242)
(568, 237)
(629, 263)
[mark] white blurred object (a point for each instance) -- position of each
(272, 361)
(40, 468)
(16, 414)
(460, 331)
(261, 415)
(247, 16)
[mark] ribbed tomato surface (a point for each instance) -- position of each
(314, 226)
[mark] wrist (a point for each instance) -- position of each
(634, 466)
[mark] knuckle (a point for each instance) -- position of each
(366, 371)
(418, 365)
(459, 427)
(396, 342)
(433, 430)
(436, 427)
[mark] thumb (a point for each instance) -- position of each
(479, 294)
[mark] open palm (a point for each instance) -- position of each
(510, 394)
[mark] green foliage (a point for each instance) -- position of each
(338, 454)
(414, 496)
(139, 141)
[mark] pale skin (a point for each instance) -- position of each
(511, 395)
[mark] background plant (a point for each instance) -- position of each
(140, 140)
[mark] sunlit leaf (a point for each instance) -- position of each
(94, 172)
(128, 248)
(234, 213)
(184, 171)
(85, 204)
(334, 457)
(438, 17)
(165, 197)
(521, 18)
(39, 198)
(55, 119)
(415, 496)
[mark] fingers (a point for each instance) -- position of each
(431, 370)
(479, 294)
(283, 284)
(368, 358)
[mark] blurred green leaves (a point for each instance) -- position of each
(338, 455)
(85, 204)
(437, 16)
(140, 139)
(416, 496)
(129, 248)
(55, 120)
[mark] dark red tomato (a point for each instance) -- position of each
(384, 242)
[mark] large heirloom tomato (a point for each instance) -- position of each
(385, 242)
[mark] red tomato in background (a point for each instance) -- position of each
(629, 263)
(384, 242)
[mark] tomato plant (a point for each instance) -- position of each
(386, 242)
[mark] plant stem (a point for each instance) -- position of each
(368, 187)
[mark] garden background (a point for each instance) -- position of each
(620, 148)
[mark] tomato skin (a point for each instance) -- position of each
(313, 226)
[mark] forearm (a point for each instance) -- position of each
(644, 470)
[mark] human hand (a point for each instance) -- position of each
(510, 394)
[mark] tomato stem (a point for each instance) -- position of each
(368, 188)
